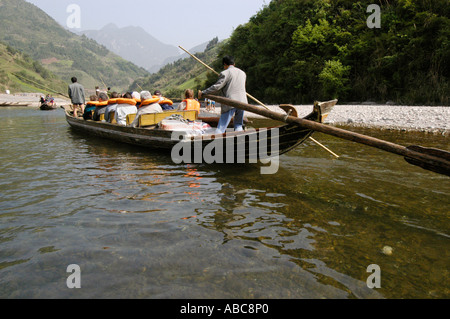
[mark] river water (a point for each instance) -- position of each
(139, 226)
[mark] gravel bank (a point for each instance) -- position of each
(415, 118)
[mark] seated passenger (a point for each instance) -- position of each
(112, 105)
(148, 105)
(137, 97)
(125, 106)
(101, 107)
(90, 106)
(50, 100)
(189, 103)
(165, 103)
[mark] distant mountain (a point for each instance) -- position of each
(197, 49)
(183, 74)
(134, 44)
(27, 28)
(138, 46)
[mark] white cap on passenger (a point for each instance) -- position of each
(145, 95)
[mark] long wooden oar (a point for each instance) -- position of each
(428, 158)
(217, 73)
(253, 98)
(41, 86)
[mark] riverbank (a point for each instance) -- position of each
(415, 118)
(432, 119)
(32, 99)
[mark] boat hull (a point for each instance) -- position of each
(45, 107)
(232, 147)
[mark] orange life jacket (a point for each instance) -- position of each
(112, 101)
(166, 101)
(153, 100)
(192, 105)
(92, 103)
(102, 104)
(126, 101)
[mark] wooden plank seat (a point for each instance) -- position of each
(130, 118)
(112, 117)
(154, 118)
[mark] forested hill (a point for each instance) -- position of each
(29, 29)
(298, 51)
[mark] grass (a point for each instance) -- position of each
(16, 68)
(193, 82)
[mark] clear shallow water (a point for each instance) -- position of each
(142, 227)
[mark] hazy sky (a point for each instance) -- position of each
(177, 22)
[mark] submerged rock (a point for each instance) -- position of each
(387, 250)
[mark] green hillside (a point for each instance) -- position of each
(27, 28)
(20, 73)
(176, 77)
(297, 51)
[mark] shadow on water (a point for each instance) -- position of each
(141, 226)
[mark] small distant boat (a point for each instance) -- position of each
(48, 103)
(47, 107)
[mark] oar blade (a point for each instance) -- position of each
(440, 166)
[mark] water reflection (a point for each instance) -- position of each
(140, 226)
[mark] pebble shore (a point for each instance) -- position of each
(432, 119)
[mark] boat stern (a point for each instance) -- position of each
(323, 109)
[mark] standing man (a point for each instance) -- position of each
(76, 94)
(232, 84)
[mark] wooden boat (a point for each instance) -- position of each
(214, 120)
(9, 104)
(225, 148)
(46, 107)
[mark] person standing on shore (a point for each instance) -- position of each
(231, 83)
(77, 97)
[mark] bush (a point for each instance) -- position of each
(333, 79)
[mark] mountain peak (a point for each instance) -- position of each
(135, 44)
(110, 26)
